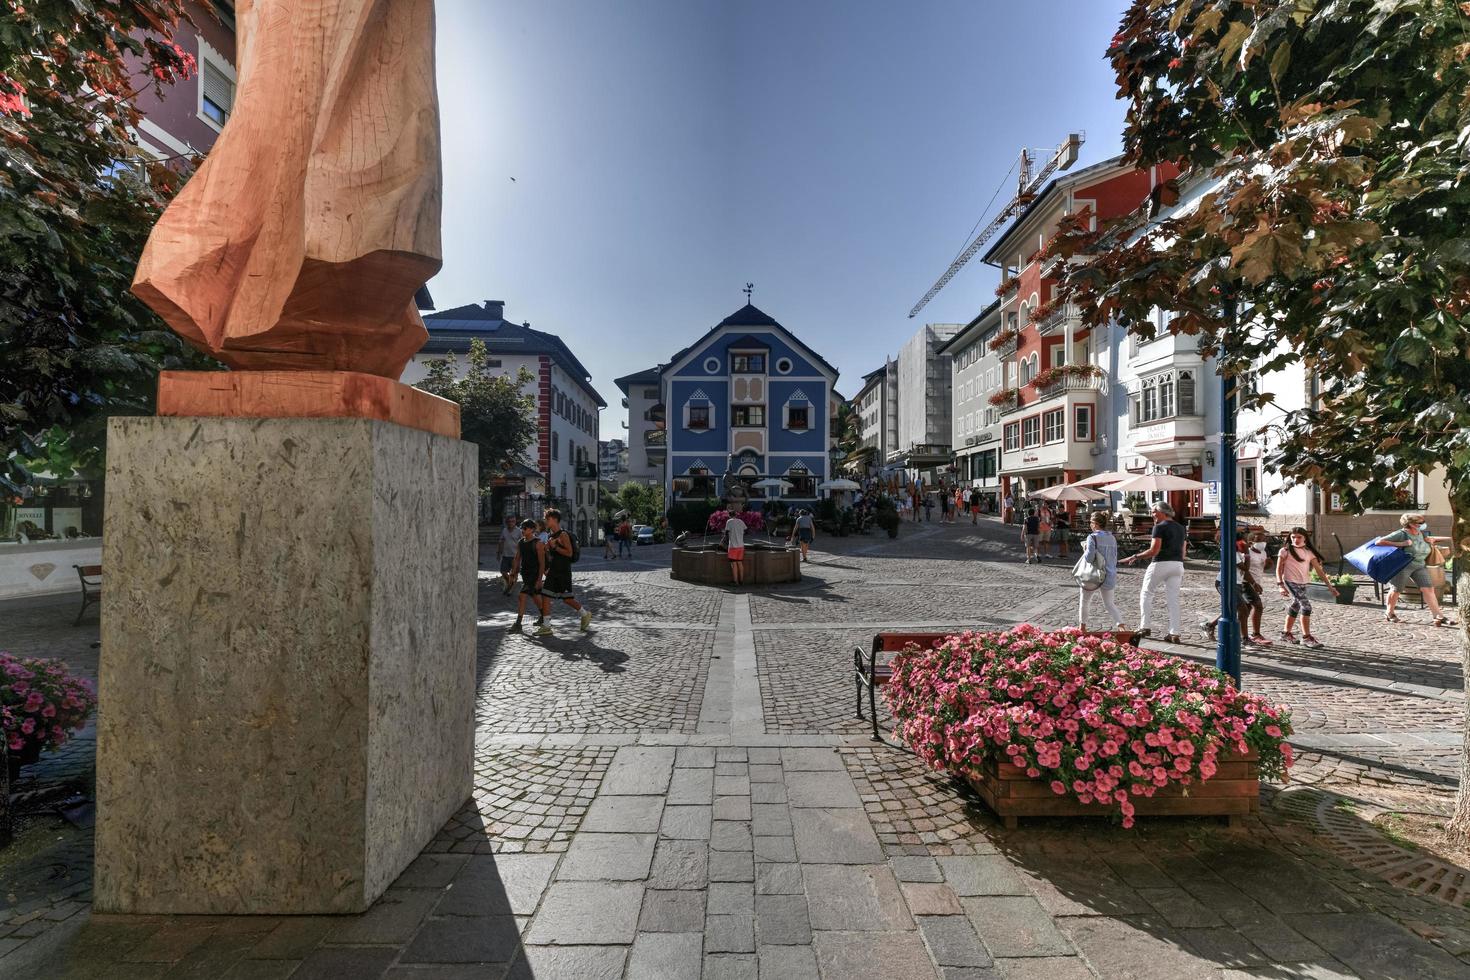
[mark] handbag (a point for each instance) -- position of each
(1436, 556)
(1380, 562)
(1090, 572)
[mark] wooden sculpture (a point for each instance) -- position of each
(296, 248)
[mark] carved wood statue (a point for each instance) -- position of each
(299, 243)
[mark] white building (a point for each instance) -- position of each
(923, 448)
(560, 467)
(648, 440)
(977, 374)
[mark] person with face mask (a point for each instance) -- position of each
(1413, 536)
(1294, 567)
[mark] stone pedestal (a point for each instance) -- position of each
(287, 676)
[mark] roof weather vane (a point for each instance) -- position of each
(748, 287)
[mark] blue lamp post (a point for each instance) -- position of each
(1227, 648)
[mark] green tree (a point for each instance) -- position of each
(1334, 138)
(644, 503)
(77, 200)
(495, 412)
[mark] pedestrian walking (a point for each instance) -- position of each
(804, 531)
(1294, 567)
(1008, 510)
(1165, 572)
(1061, 531)
(974, 506)
(928, 507)
(609, 534)
(625, 538)
(1031, 535)
(1236, 560)
(505, 550)
(1043, 531)
(1423, 550)
(944, 506)
(561, 552)
(1253, 585)
(530, 563)
(735, 548)
(1100, 548)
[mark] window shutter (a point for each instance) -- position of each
(686, 415)
(217, 86)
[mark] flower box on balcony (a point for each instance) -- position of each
(1233, 792)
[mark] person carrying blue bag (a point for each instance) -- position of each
(1422, 553)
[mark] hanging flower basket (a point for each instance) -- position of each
(1004, 398)
(1002, 338)
(1067, 724)
(41, 705)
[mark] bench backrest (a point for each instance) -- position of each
(86, 572)
(893, 642)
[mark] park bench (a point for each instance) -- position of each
(869, 673)
(91, 579)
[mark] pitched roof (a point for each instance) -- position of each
(648, 376)
(963, 336)
(750, 316)
(1071, 180)
(450, 331)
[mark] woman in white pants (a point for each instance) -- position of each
(1100, 545)
(1165, 571)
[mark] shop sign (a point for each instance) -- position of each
(36, 515)
(1212, 492)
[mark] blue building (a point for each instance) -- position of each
(748, 401)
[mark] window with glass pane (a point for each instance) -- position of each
(796, 416)
(1031, 432)
(1150, 401)
(1186, 392)
(1013, 437)
(1166, 397)
(749, 363)
(219, 92)
(747, 415)
(699, 416)
(1082, 423)
(1053, 426)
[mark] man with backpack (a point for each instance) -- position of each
(562, 551)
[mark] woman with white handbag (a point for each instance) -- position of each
(1096, 572)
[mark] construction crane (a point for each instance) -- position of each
(1026, 186)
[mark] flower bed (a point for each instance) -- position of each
(1096, 723)
(752, 518)
(41, 704)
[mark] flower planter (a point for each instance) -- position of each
(29, 755)
(1320, 593)
(1233, 792)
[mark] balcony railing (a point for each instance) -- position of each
(1008, 349)
(1060, 318)
(656, 439)
(1086, 382)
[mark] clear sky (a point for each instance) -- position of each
(665, 152)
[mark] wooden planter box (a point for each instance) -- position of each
(1233, 792)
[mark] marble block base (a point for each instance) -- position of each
(287, 677)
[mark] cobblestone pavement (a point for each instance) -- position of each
(686, 792)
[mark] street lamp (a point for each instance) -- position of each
(1227, 637)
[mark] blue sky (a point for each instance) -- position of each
(834, 152)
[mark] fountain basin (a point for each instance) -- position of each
(764, 564)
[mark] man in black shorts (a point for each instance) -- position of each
(560, 553)
(530, 562)
(510, 537)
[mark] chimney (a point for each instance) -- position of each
(496, 309)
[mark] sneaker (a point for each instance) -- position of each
(1286, 637)
(1172, 638)
(1311, 641)
(586, 619)
(543, 630)
(515, 627)
(1260, 641)
(1142, 632)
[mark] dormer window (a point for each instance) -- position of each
(748, 363)
(699, 416)
(797, 417)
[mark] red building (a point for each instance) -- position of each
(1058, 421)
(187, 116)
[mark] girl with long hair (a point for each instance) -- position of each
(1294, 567)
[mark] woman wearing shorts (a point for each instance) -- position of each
(1294, 567)
(1411, 535)
(805, 532)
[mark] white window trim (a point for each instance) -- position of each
(221, 64)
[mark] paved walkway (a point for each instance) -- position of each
(686, 793)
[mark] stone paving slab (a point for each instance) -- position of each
(682, 793)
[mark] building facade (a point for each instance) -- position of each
(1057, 409)
(923, 447)
(648, 446)
(560, 468)
(977, 374)
(747, 402)
(184, 119)
(612, 461)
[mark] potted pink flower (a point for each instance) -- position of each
(1061, 722)
(41, 705)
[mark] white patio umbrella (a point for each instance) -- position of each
(774, 483)
(839, 484)
(1112, 476)
(1069, 491)
(1148, 482)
